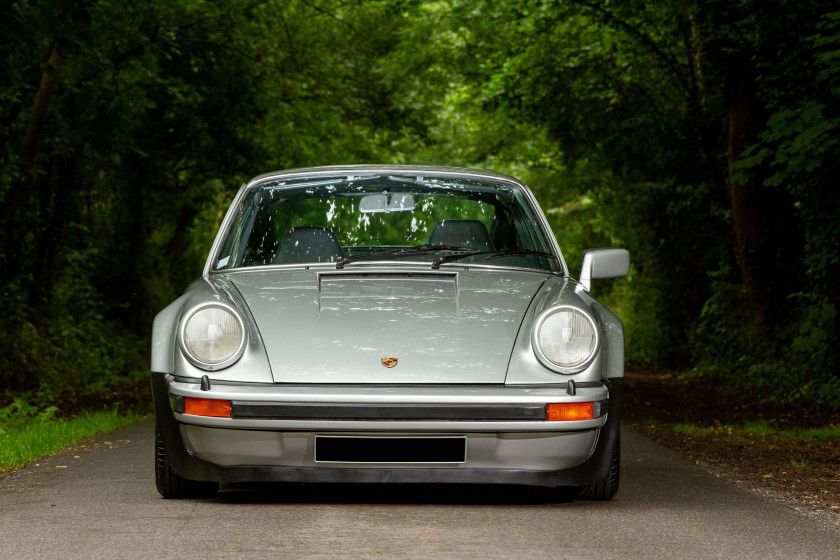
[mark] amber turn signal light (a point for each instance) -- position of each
(207, 407)
(569, 411)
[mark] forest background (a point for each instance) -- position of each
(702, 135)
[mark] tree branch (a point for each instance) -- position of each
(668, 61)
(331, 16)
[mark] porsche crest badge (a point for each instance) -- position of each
(389, 362)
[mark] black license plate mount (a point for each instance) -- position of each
(390, 449)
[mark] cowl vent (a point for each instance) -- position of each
(387, 276)
(369, 286)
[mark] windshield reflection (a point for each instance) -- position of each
(370, 217)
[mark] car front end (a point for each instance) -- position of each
(446, 345)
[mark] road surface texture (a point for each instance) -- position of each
(99, 501)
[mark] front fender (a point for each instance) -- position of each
(524, 367)
(167, 356)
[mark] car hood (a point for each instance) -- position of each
(339, 326)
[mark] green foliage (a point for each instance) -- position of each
(692, 430)
(71, 344)
(814, 351)
(794, 159)
(26, 436)
(801, 463)
(632, 121)
(817, 435)
(158, 112)
(759, 428)
(20, 414)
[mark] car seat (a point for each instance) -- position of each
(309, 244)
(461, 233)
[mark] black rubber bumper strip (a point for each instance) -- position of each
(344, 411)
(405, 412)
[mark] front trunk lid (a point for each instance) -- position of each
(348, 327)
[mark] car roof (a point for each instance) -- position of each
(328, 170)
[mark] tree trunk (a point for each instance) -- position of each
(744, 219)
(13, 218)
(39, 113)
(52, 191)
(29, 159)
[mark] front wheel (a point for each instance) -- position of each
(170, 485)
(607, 488)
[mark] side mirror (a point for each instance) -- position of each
(603, 263)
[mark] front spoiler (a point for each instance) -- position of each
(186, 465)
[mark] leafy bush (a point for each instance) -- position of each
(792, 364)
(72, 345)
(22, 413)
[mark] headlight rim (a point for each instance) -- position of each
(193, 359)
(541, 318)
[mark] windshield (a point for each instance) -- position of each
(368, 218)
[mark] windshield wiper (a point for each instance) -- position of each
(418, 250)
(518, 252)
(425, 249)
(339, 264)
(456, 251)
(490, 255)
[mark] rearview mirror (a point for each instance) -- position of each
(398, 202)
(603, 263)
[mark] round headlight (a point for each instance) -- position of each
(212, 335)
(565, 338)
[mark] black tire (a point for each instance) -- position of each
(607, 488)
(170, 485)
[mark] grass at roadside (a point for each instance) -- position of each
(802, 444)
(751, 430)
(22, 442)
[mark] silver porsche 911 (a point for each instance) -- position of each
(389, 324)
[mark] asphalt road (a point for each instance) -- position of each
(100, 502)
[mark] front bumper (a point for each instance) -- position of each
(272, 439)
